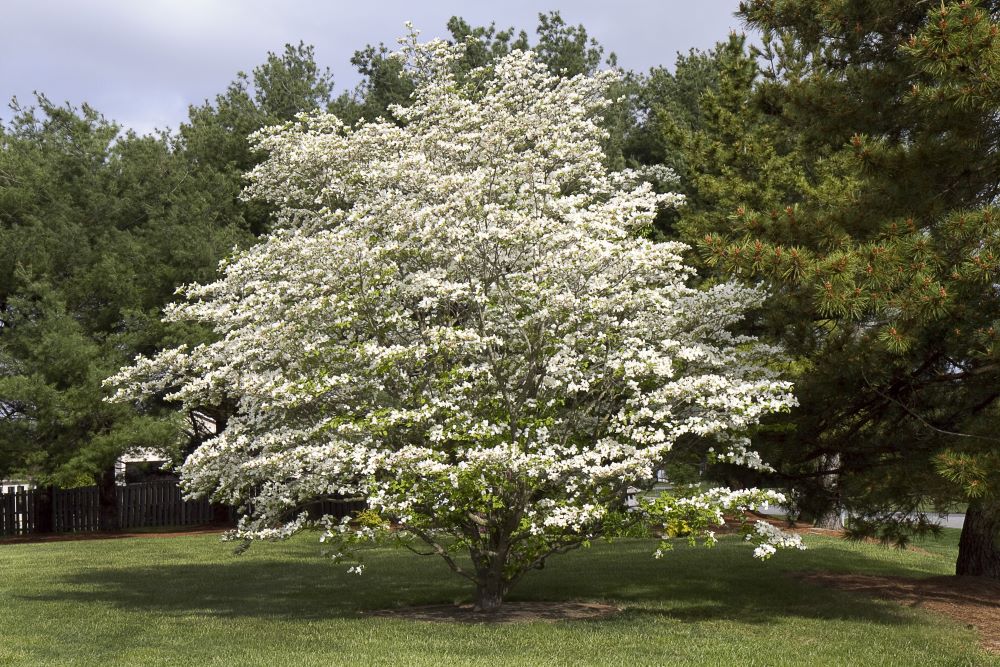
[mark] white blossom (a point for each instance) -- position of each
(457, 319)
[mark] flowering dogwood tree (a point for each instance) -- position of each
(458, 321)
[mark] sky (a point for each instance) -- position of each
(142, 62)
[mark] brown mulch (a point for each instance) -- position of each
(735, 525)
(974, 601)
(73, 537)
(510, 612)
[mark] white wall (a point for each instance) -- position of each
(11, 485)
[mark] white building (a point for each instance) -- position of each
(11, 485)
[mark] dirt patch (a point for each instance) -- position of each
(510, 612)
(974, 601)
(73, 537)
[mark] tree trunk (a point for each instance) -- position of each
(979, 545)
(832, 518)
(107, 500)
(490, 592)
(43, 509)
(491, 584)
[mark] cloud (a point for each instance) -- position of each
(142, 62)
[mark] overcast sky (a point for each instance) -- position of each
(142, 62)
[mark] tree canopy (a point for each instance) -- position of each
(457, 322)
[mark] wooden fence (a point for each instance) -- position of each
(19, 511)
(145, 505)
(159, 504)
(336, 508)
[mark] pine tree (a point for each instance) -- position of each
(97, 228)
(854, 168)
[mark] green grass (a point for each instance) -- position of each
(944, 545)
(189, 601)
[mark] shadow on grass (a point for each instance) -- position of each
(295, 590)
(725, 583)
(687, 585)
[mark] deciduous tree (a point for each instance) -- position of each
(456, 320)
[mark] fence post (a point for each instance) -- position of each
(107, 500)
(45, 518)
(6, 516)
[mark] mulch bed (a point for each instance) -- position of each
(510, 612)
(974, 601)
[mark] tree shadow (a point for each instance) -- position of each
(687, 586)
(695, 585)
(241, 588)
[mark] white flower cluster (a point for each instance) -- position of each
(770, 538)
(456, 320)
(738, 452)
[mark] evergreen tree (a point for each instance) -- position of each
(851, 164)
(565, 49)
(215, 141)
(97, 228)
(668, 102)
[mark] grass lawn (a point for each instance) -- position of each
(189, 601)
